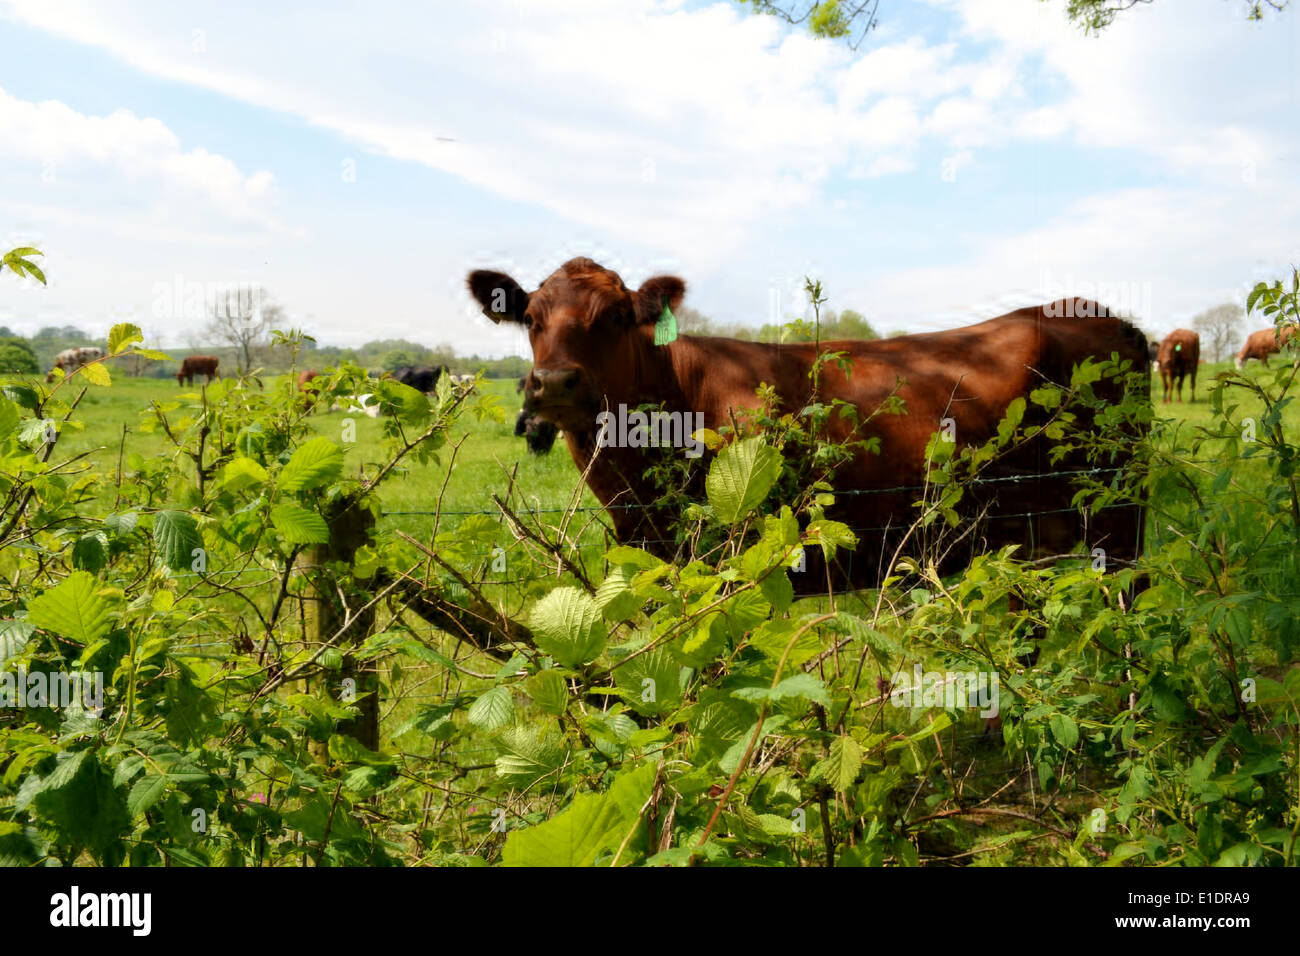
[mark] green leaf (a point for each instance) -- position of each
(567, 625)
(615, 597)
(14, 636)
(493, 709)
(1065, 730)
(531, 752)
(594, 826)
(90, 553)
(652, 680)
(740, 477)
(842, 765)
(73, 609)
(298, 525)
(96, 373)
(145, 793)
(549, 691)
(9, 416)
(122, 335)
(800, 685)
(242, 473)
(16, 259)
(347, 749)
(316, 463)
(176, 536)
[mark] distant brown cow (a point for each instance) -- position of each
(1180, 354)
(198, 365)
(594, 357)
(309, 396)
(1260, 345)
(72, 359)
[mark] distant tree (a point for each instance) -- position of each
(854, 325)
(694, 322)
(243, 319)
(394, 359)
(1219, 329)
(17, 357)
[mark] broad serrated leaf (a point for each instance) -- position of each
(842, 764)
(316, 463)
(14, 636)
(593, 825)
(122, 335)
(800, 685)
(493, 709)
(73, 609)
(176, 536)
(549, 691)
(298, 525)
(567, 625)
(242, 473)
(530, 752)
(145, 793)
(96, 373)
(740, 477)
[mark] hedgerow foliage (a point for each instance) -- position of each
(247, 610)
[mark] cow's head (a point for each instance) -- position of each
(591, 336)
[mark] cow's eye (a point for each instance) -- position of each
(528, 321)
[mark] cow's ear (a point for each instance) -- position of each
(500, 296)
(654, 294)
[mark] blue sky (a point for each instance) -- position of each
(972, 155)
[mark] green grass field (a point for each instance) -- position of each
(483, 465)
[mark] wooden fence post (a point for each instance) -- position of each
(350, 525)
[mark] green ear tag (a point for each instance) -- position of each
(1178, 347)
(665, 327)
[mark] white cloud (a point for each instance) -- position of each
(124, 150)
(676, 129)
(1157, 252)
(701, 134)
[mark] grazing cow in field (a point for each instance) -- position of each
(1260, 345)
(1180, 354)
(593, 350)
(309, 395)
(423, 378)
(539, 434)
(72, 359)
(198, 365)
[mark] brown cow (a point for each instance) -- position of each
(197, 365)
(1180, 354)
(309, 396)
(1260, 345)
(593, 352)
